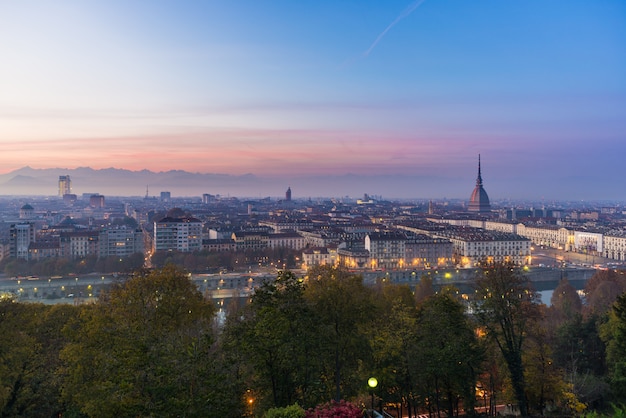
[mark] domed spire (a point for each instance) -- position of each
(479, 179)
(479, 201)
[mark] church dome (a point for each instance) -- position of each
(479, 201)
(26, 211)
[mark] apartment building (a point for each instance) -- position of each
(177, 233)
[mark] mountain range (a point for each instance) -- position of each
(180, 183)
(120, 182)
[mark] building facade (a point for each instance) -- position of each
(177, 234)
(479, 201)
(65, 185)
(21, 235)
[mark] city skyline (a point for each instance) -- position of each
(403, 93)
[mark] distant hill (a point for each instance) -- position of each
(121, 182)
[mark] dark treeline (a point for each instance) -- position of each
(59, 266)
(194, 262)
(212, 261)
(151, 346)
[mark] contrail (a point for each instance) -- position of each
(401, 16)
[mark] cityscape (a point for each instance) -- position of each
(321, 209)
(73, 250)
(369, 235)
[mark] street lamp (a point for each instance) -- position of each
(372, 382)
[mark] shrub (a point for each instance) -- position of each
(334, 409)
(292, 411)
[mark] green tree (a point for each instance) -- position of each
(29, 349)
(392, 337)
(614, 335)
(146, 349)
(345, 308)
(276, 335)
(17, 352)
(506, 306)
(580, 352)
(548, 381)
(447, 353)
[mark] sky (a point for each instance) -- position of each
(287, 89)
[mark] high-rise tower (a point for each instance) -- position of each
(65, 185)
(479, 201)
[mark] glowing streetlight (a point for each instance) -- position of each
(372, 382)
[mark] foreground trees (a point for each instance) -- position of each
(319, 338)
(146, 349)
(304, 341)
(614, 334)
(507, 307)
(30, 342)
(346, 309)
(151, 347)
(447, 354)
(275, 341)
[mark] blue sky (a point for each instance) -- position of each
(287, 89)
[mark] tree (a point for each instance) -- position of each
(29, 348)
(565, 301)
(580, 353)
(447, 353)
(345, 308)
(424, 288)
(614, 335)
(392, 337)
(276, 335)
(603, 288)
(146, 348)
(548, 382)
(506, 305)
(17, 351)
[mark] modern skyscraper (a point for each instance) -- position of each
(65, 185)
(479, 201)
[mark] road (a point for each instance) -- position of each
(551, 257)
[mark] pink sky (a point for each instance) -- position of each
(416, 88)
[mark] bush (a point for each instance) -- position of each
(292, 411)
(334, 409)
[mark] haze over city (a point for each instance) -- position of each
(387, 98)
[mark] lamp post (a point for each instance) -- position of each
(372, 382)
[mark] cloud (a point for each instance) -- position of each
(410, 9)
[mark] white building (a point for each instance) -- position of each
(291, 240)
(386, 249)
(20, 237)
(615, 245)
(588, 242)
(180, 234)
(473, 246)
(120, 242)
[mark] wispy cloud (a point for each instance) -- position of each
(410, 9)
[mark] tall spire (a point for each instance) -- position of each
(479, 201)
(479, 179)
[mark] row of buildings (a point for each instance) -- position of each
(26, 243)
(364, 234)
